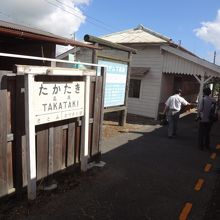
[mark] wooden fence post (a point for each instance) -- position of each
(19, 131)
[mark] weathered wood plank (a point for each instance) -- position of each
(77, 144)
(19, 132)
(71, 143)
(97, 111)
(10, 128)
(64, 148)
(57, 150)
(90, 139)
(42, 151)
(50, 150)
(3, 136)
(10, 167)
(91, 100)
(114, 109)
(23, 160)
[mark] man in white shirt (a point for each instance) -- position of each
(172, 108)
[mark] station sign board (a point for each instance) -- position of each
(58, 101)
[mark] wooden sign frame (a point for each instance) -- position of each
(30, 121)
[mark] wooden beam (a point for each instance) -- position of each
(208, 79)
(37, 70)
(102, 55)
(93, 39)
(94, 56)
(114, 109)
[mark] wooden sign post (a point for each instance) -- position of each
(85, 127)
(47, 102)
(30, 136)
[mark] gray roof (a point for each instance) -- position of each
(36, 34)
(140, 34)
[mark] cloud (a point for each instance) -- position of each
(210, 31)
(86, 2)
(61, 17)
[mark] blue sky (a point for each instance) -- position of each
(175, 19)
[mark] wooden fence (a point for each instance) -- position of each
(57, 144)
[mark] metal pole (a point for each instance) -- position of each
(214, 57)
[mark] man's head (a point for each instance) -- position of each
(207, 91)
(178, 91)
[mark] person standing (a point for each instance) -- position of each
(172, 108)
(204, 108)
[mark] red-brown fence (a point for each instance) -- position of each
(57, 144)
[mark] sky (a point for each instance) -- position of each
(194, 23)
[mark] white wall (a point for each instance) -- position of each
(147, 104)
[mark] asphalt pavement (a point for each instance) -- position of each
(169, 178)
(146, 177)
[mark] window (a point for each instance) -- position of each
(134, 88)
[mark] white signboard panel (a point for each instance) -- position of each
(58, 101)
(115, 85)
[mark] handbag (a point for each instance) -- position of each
(163, 119)
(213, 114)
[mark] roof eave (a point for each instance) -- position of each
(34, 36)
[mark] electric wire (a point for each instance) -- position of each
(80, 17)
(95, 19)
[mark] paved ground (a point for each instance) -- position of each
(147, 176)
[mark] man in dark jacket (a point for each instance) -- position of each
(205, 124)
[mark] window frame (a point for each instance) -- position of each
(132, 97)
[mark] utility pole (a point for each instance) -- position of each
(214, 56)
(214, 84)
(213, 87)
